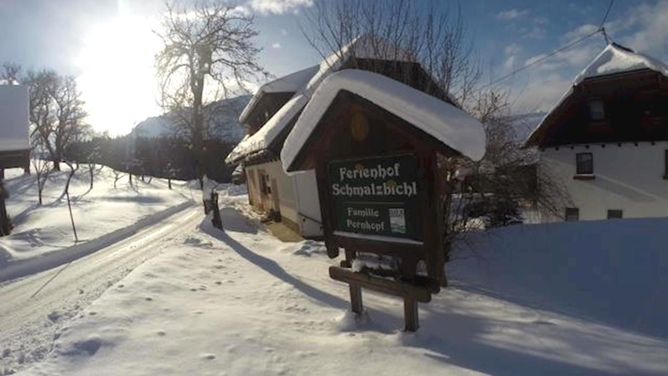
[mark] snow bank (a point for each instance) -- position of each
(40, 230)
(614, 271)
(14, 117)
(240, 302)
(443, 121)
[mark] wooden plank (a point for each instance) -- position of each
(356, 298)
(411, 317)
(386, 286)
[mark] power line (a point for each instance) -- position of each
(601, 29)
(607, 12)
(538, 61)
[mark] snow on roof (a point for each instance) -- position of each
(291, 83)
(365, 46)
(617, 59)
(14, 118)
(612, 60)
(261, 139)
(443, 121)
(304, 83)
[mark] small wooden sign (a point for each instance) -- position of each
(376, 196)
(379, 191)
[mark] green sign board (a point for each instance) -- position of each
(376, 196)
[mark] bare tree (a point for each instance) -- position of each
(73, 170)
(10, 73)
(42, 170)
(399, 30)
(56, 112)
(70, 126)
(117, 176)
(206, 50)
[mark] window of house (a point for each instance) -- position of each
(596, 109)
(615, 214)
(584, 163)
(572, 214)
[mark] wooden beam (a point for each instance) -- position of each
(386, 286)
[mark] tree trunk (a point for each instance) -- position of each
(56, 164)
(5, 222)
(91, 171)
(69, 205)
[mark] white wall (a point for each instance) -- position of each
(306, 188)
(296, 194)
(627, 177)
(14, 118)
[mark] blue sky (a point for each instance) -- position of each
(108, 44)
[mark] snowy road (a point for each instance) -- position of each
(33, 308)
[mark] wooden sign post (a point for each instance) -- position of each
(379, 193)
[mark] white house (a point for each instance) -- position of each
(273, 111)
(607, 139)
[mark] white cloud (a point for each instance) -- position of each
(276, 45)
(512, 14)
(648, 31)
(540, 95)
(579, 32)
(512, 52)
(279, 6)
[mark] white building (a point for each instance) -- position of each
(14, 127)
(607, 139)
(273, 111)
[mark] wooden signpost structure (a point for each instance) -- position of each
(380, 194)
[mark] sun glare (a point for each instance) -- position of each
(117, 74)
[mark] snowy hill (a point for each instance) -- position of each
(223, 116)
(107, 207)
(535, 300)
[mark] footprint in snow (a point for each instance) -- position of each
(219, 283)
(161, 333)
(148, 299)
(208, 356)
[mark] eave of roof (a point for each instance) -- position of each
(444, 122)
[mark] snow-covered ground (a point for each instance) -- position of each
(240, 302)
(104, 209)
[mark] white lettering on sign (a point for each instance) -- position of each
(378, 172)
(388, 188)
(365, 225)
(364, 213)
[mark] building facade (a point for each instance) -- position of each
(606, 142)
(273, 111)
